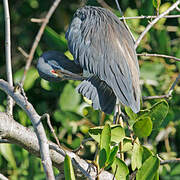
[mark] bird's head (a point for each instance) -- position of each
(55, 66)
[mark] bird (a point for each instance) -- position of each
(54, 66)
(103, 49)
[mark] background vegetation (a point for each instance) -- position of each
(71, 116)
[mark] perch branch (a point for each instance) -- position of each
(8, 53)
(24, 137)
(159, 55)
(148, 27)
(38, 37)
(38, 127)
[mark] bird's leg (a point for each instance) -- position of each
(118, 119)
(117, 114)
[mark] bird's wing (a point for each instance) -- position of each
(101, 45)
(101, 95)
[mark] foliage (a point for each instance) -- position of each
(156, 127)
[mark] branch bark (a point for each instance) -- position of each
(8, 54)
(149, 17)
(148, 27)
(38, 127)
(24, 137)
(159, 55)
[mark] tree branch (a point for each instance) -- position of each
(2, 177)
(24, 137)
(18, 134)
(148, 27)
(166, 95)
(38, 37)
(177, 160)
(159, 55)
(38, 127)
(149, 17)
(8, 54)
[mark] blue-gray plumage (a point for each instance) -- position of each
(101, 45)
(55, 66)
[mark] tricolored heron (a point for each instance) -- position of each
(55, 66)
(102, 46)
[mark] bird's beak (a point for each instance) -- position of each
(66, 75)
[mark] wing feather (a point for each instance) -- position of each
(101, 45)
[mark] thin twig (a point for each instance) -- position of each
(124, 20)
(177, 160)
(166, 95)
(8, 54)
(115, 173)
(148, 27)
(35, 20)
(178, 9)
(23, 52)
(157, 97)
(52, 130)
(82, 144)
(133, 175)
(149, 17)
(159, 55)
(38, 37)
(38, 127)
(118, 6)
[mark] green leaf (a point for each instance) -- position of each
(6, 152)
(142, 127)
(156, 177)
(57, 41)
(127, 145)
(136, 158)
(175, 171)
(68, 169)
(112, 157)
(146, 153)
(120, 169)
(31, 77)
(117, 133)
(46, 85)
(130, 113)
(104, 145)
(148, 169)
(158, 113)
(69, 98)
